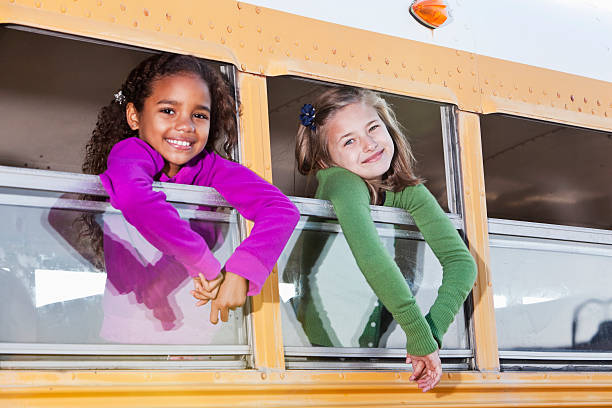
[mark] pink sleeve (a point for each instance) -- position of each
(273, 214)
(132, 165)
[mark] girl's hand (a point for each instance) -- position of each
(232, 294)
(426, 370)
(206, 290)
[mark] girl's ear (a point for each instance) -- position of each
(132, 117)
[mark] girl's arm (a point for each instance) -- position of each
(458, 266)
(128, 180)
(273, 214)
(351, 200)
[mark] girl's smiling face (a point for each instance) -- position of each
(358, 140)
(175, 119)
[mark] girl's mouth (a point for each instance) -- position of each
(373, 158)
(179, 144)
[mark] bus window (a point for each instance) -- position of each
(66, 302)
(548, 199)
(331, 317)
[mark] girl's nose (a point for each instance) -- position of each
(185, 125)
(369, 144)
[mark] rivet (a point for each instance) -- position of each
(530, 90)
(229, 29)
(315, 46)
(271, 50)
(282, 376)
(217, 376)
(565, 106)
(585, 100)
(122, 7)
(490, 284)
(474, 89)
(524, 99)
(435, 71)
(63, 9)
(201, 36)
(444, 83)
(579, 109)
(277, 39)
(450, 73)
(38, 4)
(412, 77)
(494, 92)
(307, 57)
(297, 44)
(190, 21)
(241, 44)
(558, 95)
(239, 5)
(606, 114)
(459, 69)
(259, 48)
(352, 54)
(387, 61)
(88, 14)
(168, 17)
(481, 91)
(263, 376)
(135, 23)
(145, 12)
(259, 30)
(572, 98)
(510, 96)
(501, 84)
(398, 376)
(222, 40)
(552, 104)
(11, 1)
(361, 67)
(473, 73)
(157, 27)
(369, 57)
(113, 19)
(99, 3)
(325, 61)
(598, 103)
(403, 65)
(457, 52)
(343, 64)
(460, 86)
(420, 67)
(180, 33)
(592, 111)
(211, 25)
(261, 70)
(428, 80)
(378, 71)
(243, 67)
(257, 10)
(486, 81)
(334, 51)
(395, 74)
(288, 53)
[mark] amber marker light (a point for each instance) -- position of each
(430, 13)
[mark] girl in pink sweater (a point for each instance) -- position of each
(168, 123)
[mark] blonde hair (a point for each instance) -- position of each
(311, 146)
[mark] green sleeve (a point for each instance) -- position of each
(458, 266)
(351, 200)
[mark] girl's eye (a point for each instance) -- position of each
(200, 116)
(168, 111)
(349, 142)
(373, 128)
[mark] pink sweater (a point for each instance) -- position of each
(133, 165)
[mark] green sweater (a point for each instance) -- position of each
(351, 200)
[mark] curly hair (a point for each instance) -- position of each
(112, 126)
(311, 146)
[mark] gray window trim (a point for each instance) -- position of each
(365, 352)
(123, 349)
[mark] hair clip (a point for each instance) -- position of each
(120, 98)
(307, 116)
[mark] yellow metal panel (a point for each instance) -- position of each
(131, 389)
(476, 230)
(255, 154)
(270, 42)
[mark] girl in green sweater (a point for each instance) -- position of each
(351, 139)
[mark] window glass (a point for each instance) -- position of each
(552, 295)
(326, 301)
(545, 172)
(58, 291)
(420, 120)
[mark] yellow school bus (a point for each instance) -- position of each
(508, 106)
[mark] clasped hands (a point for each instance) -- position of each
(226, 292)
(426, 370)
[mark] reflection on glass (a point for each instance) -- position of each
(58, 290)
(552, 295)
(326, 301)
